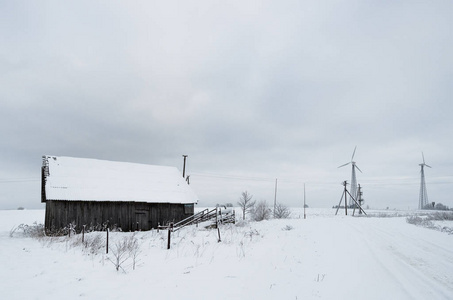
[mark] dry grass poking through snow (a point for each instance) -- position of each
(429, 221)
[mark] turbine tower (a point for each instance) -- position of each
(353, 178)
(423, 198)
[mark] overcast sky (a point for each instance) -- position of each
(251, 91)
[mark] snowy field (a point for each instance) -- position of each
(322, 257)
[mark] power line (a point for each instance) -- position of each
(19, 180)
(372, 182)
(232, 177)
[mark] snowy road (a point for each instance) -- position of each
(322, 257)
(388, 257)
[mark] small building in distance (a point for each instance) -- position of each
(98, 193)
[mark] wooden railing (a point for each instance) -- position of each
(203, 216)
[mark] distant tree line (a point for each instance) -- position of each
(436, 206)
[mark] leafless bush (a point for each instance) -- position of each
(94, 243)
(441, 216)
(119, 251)
(281, 211)
(261, 211)
(133, 248)
(122, 250)
(34, 231)
(70, 229)
(427, 221)
(12, 231)
(288, 228)
(416, 220)
(251, 233)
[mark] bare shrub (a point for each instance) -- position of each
(251, 234)
(288, 228)
(261, 211)
(416, 220)
(441, 216)
(34, 231)
(94, 243)
(122, 250)
(70, 229)
(427, 221)
(133, 248)
(119, 251)
(281, 211)
(12, 231)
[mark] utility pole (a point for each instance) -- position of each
(344, 194)
(305, 216)
(275, 197)
(345, 198)
(360, 198)
(184, 167)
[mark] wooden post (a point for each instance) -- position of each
(83, 233)
(217, 224)
(217, 216)
(107, 243)
(343, 194)
(170, 229)
(218, 231)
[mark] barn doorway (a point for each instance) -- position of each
(142, 220)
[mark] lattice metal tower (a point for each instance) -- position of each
(353, 178)
(423, 198)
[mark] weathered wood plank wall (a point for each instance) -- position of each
(129, 216)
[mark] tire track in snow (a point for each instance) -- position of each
(406, 260)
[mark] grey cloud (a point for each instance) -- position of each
(247, 89)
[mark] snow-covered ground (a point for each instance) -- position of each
(321, 257)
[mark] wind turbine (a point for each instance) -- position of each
(353, 177)
(423, 198)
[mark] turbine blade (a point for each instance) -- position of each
(352, 158)
(423, 158)
(358, 169)
(344, 165)
(427, 166)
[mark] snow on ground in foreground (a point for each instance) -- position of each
(322, 257)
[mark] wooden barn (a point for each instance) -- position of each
(128, 196)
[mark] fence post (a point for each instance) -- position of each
(83, 234)
(170, 229)
(107, 245)
(218, 230)
(217, 222)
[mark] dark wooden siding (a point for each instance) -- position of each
(129, 216)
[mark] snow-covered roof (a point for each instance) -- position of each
(82, 179)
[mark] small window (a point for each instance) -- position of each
(188, 209)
